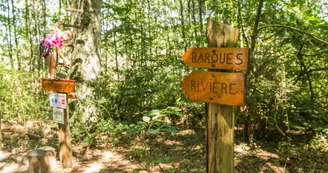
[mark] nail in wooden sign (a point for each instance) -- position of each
(60, 86)
(216, 87)
(217, 58)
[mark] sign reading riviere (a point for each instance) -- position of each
(216, 87)
(217, 58)
(61, 86)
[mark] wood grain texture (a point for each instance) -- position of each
(217, 58)
(64, 136)
(42, 160)
(216, 87)
(60, 86)
(220, 118)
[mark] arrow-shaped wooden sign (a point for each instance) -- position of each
(217, 58)
(216, 87)
(61, 86)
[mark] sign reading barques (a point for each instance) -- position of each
(216, 87)
(58, 100)
(217, 58)
(58, 115)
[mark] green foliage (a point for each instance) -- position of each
(21, 98)
(154, 122)
(320, 142)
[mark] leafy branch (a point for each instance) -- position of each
(297, 30)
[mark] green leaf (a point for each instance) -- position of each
(171, 130)
(131, 131)
(153, 131)
(155, 112)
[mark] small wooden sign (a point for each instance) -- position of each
(60, 86)
(216, 87)
(217, 58)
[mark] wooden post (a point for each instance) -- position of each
(220, 118)
(64, 135)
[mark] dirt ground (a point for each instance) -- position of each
(183, 152)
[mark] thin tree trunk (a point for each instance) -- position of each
(27, 28)
(194, 21)
(17, 50)
(37, 31)
(115, 50)
(200, 20)
(249, 122)
(9, 37)
(189, 22)
(182, 26)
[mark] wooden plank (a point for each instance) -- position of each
(216, 87)
(58, 85)
(72, 96)
(64, 136)
(217, 58)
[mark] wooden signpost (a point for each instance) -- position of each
(216, 87)
(64, 134)
(221, 89)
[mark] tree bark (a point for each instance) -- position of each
(200, 19)
(17, 50)
(182, 26)
(10, 50)
(42, 160)
(86, 62)
(86, 54)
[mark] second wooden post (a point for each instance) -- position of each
(64, 136)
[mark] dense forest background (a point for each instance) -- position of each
(141, 43)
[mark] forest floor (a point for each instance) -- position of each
(183, 152)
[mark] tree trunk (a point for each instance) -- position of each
(42, 160)
(249, 122)
(194, 22)
(182, 26)
(200, 20)
(17, 50)
(86, 55)
(9, 37)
